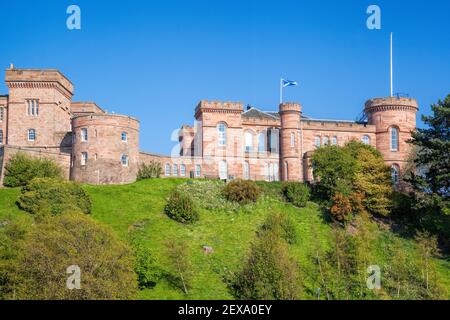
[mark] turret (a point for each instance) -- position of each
(290, 148)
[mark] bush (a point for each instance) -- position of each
(56, 243)
(181, 208)
(148, 273)
(22, 168)
(296, 193)
(45, 196)
(242, 191)
(282, 225)
(149, 171)
(341, 210)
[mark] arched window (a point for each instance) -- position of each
(292, 139)
(246, 170)
(84, 134)
(222, 134)
(395, 174)
(183, 170)
(334, 141)
(394, 139)
(84, 158)
(266, 172)
(318, 142)
(223, 170)
(167, 171)
(326, 141)
(248, 137)
(271, 174)
(261, 142)
(286, 170)
(365, 140)
(124, 160)
(31, 135)
(175, 170)
(272, 137)
(276, 172)
(1, 136)
(198, 171)
(124, 136)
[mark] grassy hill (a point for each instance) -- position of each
(140, 206)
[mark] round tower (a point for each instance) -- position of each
(395, 120)
(290, 153)
(105, 149)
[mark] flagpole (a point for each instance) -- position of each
(281, 91)
(391, 69)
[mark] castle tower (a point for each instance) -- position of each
(39, 109)
(105, 149)
(290, 153)
(395, 119)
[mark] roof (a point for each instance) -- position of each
(256, 113)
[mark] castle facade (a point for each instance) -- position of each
(227, 141)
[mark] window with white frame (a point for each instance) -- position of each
(271, 175)
(395, 174)
(175, 170)
(167, 170)
(223, 170)
(124, 137)
(84, 158)
(276, 172)
(248, 139)
(2, 113)
(183, 170)
(334, 141)
(222, 134)
(326, 140)
(266, 172)
(32, 107)
(394, 139)
(198, 171)
(84, 134)
(261, 142)
(318, 142)
(31, 135)
(365, 139)
(292, 139)
(124, 160)
(246, 170)
(1, 136)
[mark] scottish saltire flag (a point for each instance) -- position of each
(288, 83)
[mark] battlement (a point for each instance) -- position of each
(391, 103)
(40, 78)
(219, 106)
(290, 106)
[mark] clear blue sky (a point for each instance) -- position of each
(156, 59)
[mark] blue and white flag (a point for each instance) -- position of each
(288, 83)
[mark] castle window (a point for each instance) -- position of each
(198, 171)
(246, 170)
(32, 107)
(334, 141)
(271, 177)
(84, 158)
(167, 171)
(276, 172)
(84, 135)
(292, 140)
(286, 170)
(175, 170)
(222, 131)
(394, 139)
(266, 172)
(124, 137)
(395, 174)
(272, 138)
(183, 170)
(248, 137)
(326, 141)
(366, 140)
(223, 170)
(31, 135)
(124, 160)
(261, 142)
(1, 136)
(2, 113)
(318, 142)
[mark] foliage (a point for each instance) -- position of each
(45, 196)
(272, 189)
(180, 264)
(242, 191)
(282, 225)
(22, 168)
(146, 268)
(181, 208)
(269, 272)
(341, 209)
(55, 243)
(149, 171)
(296, 193)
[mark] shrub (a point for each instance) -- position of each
(181, 208)
(296, 193)
(56, 243)
(148, 273)
(281, 224)
(241, 191)
(46, 196)
(149, 171)
(341, 209)
(180, 264)
(22, 168)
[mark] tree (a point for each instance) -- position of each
(56, 243)
(180, 264)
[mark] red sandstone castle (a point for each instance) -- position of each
(38, 117)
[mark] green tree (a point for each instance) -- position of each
(180, 264)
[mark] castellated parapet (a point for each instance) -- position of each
(109, 154)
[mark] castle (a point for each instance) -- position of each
(38, 117)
